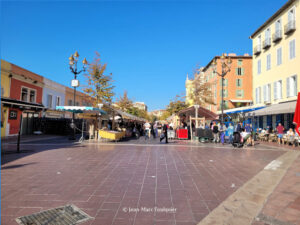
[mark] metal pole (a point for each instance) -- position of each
(222, 118)
(196, 108)
(19, 134)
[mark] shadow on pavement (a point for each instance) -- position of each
(9, 150)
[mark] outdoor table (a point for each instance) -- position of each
(182, 134)
(171, 134)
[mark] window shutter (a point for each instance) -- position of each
(236, 71)
(242, 70)
(288, 87)
(265, 93)
(280, 89)
(295, 85)
(242, 93)
(275, 91)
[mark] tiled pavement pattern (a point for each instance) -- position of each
(283, 206)
(106, 180)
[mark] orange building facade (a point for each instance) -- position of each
(237, 83)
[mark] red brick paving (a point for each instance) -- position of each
(284, 202)
(104, 181)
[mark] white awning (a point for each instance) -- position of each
(281, 108)
(240, 100)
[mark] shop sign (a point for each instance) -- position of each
(13, 114)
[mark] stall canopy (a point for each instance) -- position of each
(80, 109)
(281, 108)
(202, 112)
(128, 116)
(242, 110)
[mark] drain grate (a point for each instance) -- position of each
(64, 215)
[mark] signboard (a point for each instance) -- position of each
(75, 83)
(13, 114)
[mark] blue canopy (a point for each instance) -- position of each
(244, 110)
(80, 109)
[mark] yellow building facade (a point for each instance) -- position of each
(276, 70)
(5, 90)
(188, 91)
(276, 57)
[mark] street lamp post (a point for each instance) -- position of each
(196, 114)
(226, 65)
(73, 59)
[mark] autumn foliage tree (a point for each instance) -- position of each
(201, 93)
(99, 85)
(174, 106)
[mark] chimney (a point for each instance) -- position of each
(231, 54)
(246, 54)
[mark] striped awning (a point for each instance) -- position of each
(80, 109)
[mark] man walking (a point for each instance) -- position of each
(165, 133)
(280, 130)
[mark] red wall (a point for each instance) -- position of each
(14, 125)
(15, 90)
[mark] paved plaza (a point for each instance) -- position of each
(146, 182)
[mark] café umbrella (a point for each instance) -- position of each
(297, 115)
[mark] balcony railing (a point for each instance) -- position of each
(267, 43)
(277, 36)
(290, 27)
(257, 49)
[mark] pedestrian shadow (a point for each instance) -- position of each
(16, 166)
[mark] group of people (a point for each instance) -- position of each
(280, 131)
(152, 129)
(223, 134)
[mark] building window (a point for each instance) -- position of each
(70, 102)
(239, 82)
(279, 56)
(24, 94)
(268, 61)
(291, 15)
(225, 93)
(28, 95)
(258, 41)
(49, 101)
(291, 86)
(292, 49)
(57, 101)
(267, 93)
(239, 93)
(278, 90)
(77, 103)
(240, 62)
(258, 95)
(239, 71)
(278, 26)
(225, 104)
(259, 66)
(32, 96)
(225, 83)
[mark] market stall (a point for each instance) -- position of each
(90, 116)
(192, 118)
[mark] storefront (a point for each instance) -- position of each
(272, 115)
(20, 114)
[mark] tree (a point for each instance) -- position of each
(99, 86)
(201, 90)
(123, 102)
(174, 106)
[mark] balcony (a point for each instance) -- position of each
(290, 27)
(257, 49)
(267, 43)
(277, 36)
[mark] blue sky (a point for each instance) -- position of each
(149, 46)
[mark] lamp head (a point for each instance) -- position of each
(71, 60)
(76, 55)
(84, 61)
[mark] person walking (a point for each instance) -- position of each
(280, 130)
(147, 127)
(230, 132)
(165, 133)
(215, 130)
(222, 133)
(155, 130)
